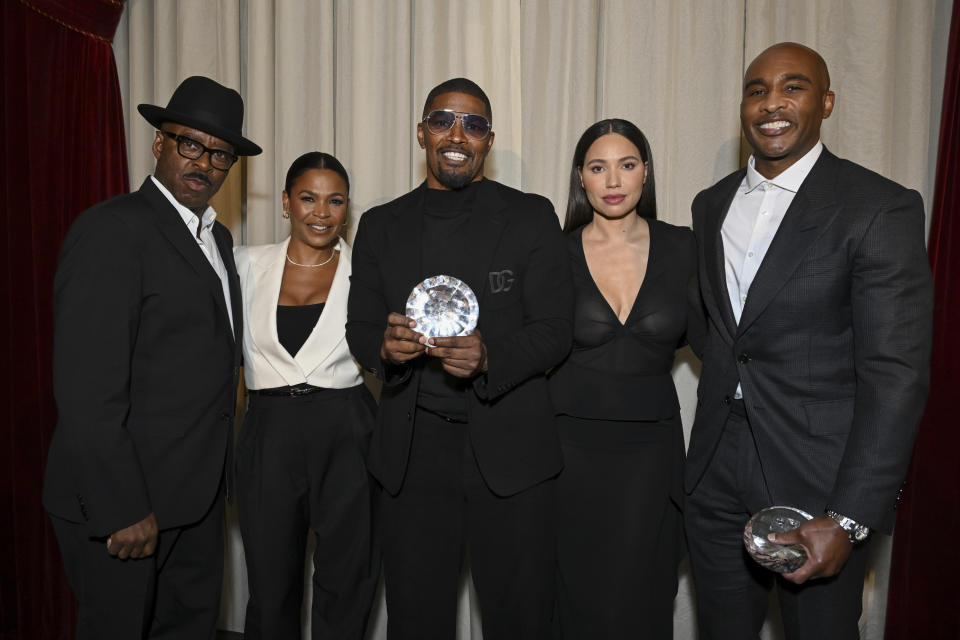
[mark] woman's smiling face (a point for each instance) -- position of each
(317, 204)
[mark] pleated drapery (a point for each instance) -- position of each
(923, 590)
(63, 150)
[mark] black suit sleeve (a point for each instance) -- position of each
(367, 307)
(696, 332)
(96, 316)
(547, 332)
(892, 301)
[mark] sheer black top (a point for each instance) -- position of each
(622, 371)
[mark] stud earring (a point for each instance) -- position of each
(286, 215)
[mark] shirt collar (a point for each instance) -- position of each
(189, 217)
(792, 178)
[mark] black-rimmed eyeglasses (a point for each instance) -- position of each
(474, 125)
(193, 150)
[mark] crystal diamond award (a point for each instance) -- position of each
(776, 557)
(443, 306)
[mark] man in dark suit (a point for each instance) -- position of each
(465, 445)
(815, 279)
(146, 354)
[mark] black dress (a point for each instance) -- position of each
(619, 521)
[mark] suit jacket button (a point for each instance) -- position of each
(743, 359)
(224, 415)
(409, 416)
(374, 371)
(725, 401)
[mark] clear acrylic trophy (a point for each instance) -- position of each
(776, 557)
(443, 306)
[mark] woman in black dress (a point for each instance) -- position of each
(618, 498)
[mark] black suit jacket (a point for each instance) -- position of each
(520, 272)
(145, 367)
(832, 349)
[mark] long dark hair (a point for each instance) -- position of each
(314, 160)
(579, 209)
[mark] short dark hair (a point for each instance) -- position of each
(459, 85)
(579, 209)
(314, 160)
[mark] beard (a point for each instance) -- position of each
(455, 179)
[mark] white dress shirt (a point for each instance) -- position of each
(752, 222)
(205, 240)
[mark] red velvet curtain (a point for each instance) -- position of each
(62, 150)
(924, 598)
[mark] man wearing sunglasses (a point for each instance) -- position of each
(146, 358)
(465, 446)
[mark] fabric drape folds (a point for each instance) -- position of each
(923, 590)
(63, 150)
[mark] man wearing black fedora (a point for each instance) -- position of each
(147, 327)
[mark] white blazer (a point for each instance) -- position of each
(324, 359)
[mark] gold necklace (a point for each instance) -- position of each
(319, 264)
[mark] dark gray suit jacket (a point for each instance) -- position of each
(520, 272)
(145, 367)
(833, 345)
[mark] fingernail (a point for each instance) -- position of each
(772, 537)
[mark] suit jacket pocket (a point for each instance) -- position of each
(829, 417)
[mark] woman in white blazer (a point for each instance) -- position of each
(302, 448)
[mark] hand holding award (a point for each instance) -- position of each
(776, 557)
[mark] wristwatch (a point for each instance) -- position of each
(857, 532)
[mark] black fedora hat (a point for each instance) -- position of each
(207, 106)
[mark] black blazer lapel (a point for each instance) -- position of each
(225, 247)
(173, 229)
(812, 209)
(713, 247)
(403, 249)
(486, 223)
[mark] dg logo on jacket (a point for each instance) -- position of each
(501, 281)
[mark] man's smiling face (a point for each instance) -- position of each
(454, 160)
(786, 96)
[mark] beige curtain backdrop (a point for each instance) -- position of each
(350, 76)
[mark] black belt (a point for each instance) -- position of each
(302, 389)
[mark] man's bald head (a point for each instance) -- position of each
(798, 49)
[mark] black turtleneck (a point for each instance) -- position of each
(445, 243)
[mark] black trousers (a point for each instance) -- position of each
(445, 509)
(301, 467)
(173, 594)
(732, 590)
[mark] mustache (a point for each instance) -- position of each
(198, 176)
